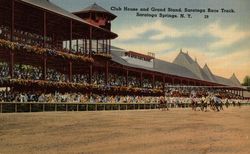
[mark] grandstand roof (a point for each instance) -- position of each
(49, 6)
(183, 66)
(223, 81)
(159, 65)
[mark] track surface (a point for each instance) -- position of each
(148, 131)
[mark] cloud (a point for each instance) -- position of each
(136, 32)
(237, 62)
(222, 36)
(226, 35)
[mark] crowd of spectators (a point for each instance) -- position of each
(7, 96)
(53, 75)
(34, 39)
(25, 37)
(158, 85)
(133, 81)
(4, 32)
(72, 98)
(80, 78)
(187, 91)
(116, 80)
(146, 83)
(4, 70)
(98, 78)
(27, 72)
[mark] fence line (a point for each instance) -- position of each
(7, 107)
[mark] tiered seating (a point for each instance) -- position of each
(80, 78)
(27, 72)
(116, 80)
(98, 78)
(133, 81)
(25, 37)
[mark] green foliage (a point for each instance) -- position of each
(246, 82)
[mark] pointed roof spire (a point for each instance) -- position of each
(206, 67)
(208, 72)
(235, 80)
(233, 76)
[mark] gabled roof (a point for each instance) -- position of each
(184, 60)
(159, 65)
(208, 72)
(96, 8)
(235, 80)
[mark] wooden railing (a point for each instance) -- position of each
(6, 107)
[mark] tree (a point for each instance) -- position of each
(246, 82)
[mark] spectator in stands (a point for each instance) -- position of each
(4, 70)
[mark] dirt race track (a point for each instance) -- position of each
(148, 131)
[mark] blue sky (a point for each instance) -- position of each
(222, 41)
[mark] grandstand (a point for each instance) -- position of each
(52, 51)
(184, 68)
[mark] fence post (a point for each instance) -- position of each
(43, 107)
(15, 107)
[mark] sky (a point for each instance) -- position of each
(222, 41)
